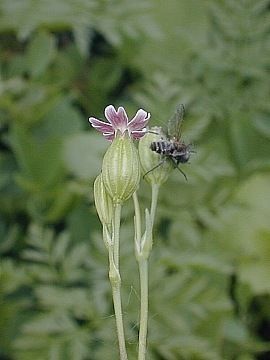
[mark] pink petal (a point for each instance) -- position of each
(138, 134)
(112, 116)
(139, 121)
(109, 136)
(100, 125)
(118, 121)
(123, 117)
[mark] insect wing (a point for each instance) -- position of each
(175, 122)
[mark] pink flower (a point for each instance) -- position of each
(118, 121)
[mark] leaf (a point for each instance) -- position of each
(256, 275)
(61, 120)
(83, 153)
(49, 324)
(83, 37)
(262, 124)
(61, 247)
(40, 53)
(41, 166)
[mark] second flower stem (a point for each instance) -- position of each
(155, 190)
(143, 270)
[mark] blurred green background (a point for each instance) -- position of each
(62, 61)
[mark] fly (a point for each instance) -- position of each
(170, 146)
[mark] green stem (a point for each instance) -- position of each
(116, 293)
(143, 269)
(115, 280)
(155, 190)
(116, 234)
(137, 217)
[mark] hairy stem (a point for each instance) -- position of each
(137, 216)
(115, 280)
(155, 190)
(116, 293)
(143, 270)
(116, 233)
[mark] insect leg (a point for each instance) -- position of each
(155, 167)
(152, 132)
(182, 172)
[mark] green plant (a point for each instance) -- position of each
(62, 61)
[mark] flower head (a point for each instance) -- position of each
(118, 121)
(103, 202)
(121, 169)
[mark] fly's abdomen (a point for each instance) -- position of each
(162, 147)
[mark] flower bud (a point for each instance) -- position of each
(154, 165)
(103, 202)
(121, 169)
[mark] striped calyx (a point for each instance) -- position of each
(121, 169)
(103, 202)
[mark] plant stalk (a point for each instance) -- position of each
(116, 293)
(137, 216)
(116, 233)
(143, 270)
(155, 190)
(115, 280)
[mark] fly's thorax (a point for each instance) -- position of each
(182, 153)
(184, 158)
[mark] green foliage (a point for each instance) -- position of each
(61, 298)
(40, 53)
(113, 19)
(62, 61)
